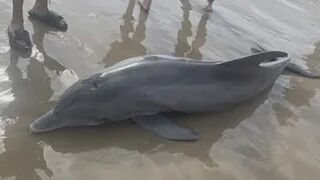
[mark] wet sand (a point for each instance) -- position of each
(275, 136)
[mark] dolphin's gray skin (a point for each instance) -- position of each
(145, 88)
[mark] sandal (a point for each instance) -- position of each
(52, 19)
(19, 39)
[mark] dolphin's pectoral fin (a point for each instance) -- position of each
(164, 127)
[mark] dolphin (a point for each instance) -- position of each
(145, 89)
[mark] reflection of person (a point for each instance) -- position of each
(145, 4)
(18, 37)
(182, 48)
(128, 46)
(23, 155)
(38, 37)
(199, 39)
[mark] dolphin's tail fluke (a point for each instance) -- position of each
(291, 67)
(302, 72)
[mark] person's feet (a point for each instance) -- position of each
(145, 4)
(50, 18)
(19, 38)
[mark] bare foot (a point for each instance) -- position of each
(145, 4)
(50, 18)
(19, 38)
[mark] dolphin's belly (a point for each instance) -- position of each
(179, 98)
(200, 98)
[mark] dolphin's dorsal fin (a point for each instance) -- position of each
(164, 127)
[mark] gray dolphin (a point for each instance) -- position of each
(145, 88)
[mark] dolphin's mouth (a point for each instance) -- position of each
(45, 123)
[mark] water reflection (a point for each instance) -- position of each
(129, 45)
(40, 30)
(182, 48)
(200, 38)
(23, 156)
(31, 88)
(299, 94)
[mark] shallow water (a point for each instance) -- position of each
(275, 136)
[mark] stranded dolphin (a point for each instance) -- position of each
(145, 88)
